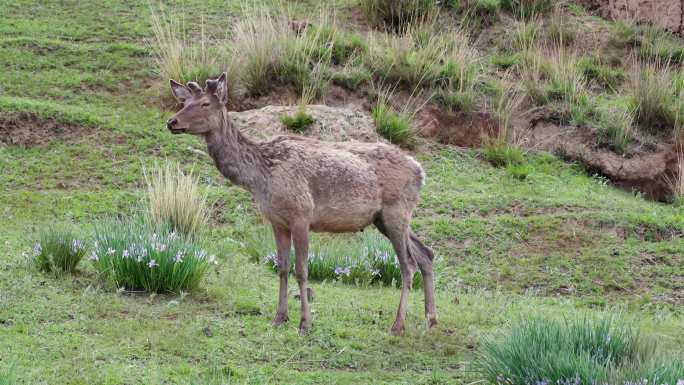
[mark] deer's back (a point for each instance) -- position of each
(340, 185)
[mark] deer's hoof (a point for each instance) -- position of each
(431, 321)
(397, 328)
(280, 319)
(304, 326)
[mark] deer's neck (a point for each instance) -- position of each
(236, 156)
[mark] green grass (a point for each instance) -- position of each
(501, 154)
(555, 243)
(136, 256)
(528, 9)
(298, 122)
(58, 250)
(363, 260)
(394, 125)
(576, 350)
(396, 15)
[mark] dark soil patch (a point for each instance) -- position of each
(28, 130)
(646, 169)
(463, 130)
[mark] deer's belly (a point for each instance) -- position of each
(344, 219)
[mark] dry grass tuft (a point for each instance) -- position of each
(174, 199)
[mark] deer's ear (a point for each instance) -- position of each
(181, 92)
(219, 88)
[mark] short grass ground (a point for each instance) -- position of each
(557, 243)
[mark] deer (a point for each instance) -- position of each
(303, 185)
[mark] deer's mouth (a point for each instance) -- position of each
(177, 131)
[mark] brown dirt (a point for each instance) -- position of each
(646, 169)
(454, 129)
(26, 129)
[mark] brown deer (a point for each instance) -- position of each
(302, 185)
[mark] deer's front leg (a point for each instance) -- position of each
(300, 236)
(283, 240)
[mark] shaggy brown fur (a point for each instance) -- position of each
(303, 185)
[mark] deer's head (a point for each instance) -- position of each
(202, 109)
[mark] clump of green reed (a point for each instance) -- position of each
(606, 76)
(615, 129)
(174, 198)
(397, 14)
(528, 9)
(391, 123)
(424, 57)
(502, 149)
(574, 351)
(135, 255)
(299, 121)
(58, 250)
(654, 98)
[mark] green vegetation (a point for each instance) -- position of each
(575, 351)
(58, 250)
(536, 236)
(398, 14)
(394, 125)
(299, 122)
(606, 76)
(136, 256)
(654, 99)
(528, 9)
(363, 260)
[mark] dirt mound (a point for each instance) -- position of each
(27, 129)
(647, 171)
(330, 123)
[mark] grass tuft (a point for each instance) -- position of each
(398, 14)
(653, 98)
(528, 9)
(174, 199)
(58, 250)
(138, 256)
(615, 129)
(574, 351)
(179, 55)
(298, 122)
(392, 124)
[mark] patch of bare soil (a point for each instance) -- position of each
(26, 129)
(455, 129)
(647, 169)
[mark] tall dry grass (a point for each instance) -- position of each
(175, 199)
(178, 54)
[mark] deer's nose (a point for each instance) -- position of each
(171, 122)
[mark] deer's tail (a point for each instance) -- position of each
(418, 250)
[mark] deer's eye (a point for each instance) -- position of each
(205, 104)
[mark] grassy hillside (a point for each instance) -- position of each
(82, 93)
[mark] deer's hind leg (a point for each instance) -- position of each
(300, 236)
(283, 242)
(393, 223)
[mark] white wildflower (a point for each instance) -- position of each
(152, 263)
(179, 257)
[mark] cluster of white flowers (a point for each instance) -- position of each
(37, 249)
(77, 245)
(342, 271)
